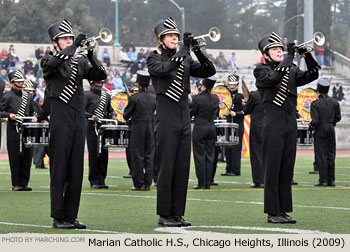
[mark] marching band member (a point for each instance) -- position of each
(63, 72)
(170, 72)
(205, 109)
(325, 114)
(16, 104)
(98, 106)
(233, 154)
(255, 108)
(140, 110)
(277, 82)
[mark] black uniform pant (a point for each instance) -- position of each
(325, 148)
(173, 137)
(97, 163)
(66, 150)
(255, 142)
(215, 162)
(204, 136)
(233, 154)
(279, 151)
(142, 153)
(38, 156)
(20, 163)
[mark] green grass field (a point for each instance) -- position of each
(231, 207)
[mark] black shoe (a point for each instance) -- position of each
(183, 222)
(314, 172)
(78, 225)
(320, 184)
(230, 174)
(276, 219)
(96, 186)
(39, 167)
(197, 187)
(256, 185)
(142, 188)
(331, 183)
(62, 224)
(168, 221)
(214, 183)
(288, 218)
(27, 188)
(294, 183)
(17, 188)
(127, 176)
(147, 188)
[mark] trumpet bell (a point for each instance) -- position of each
(319, 38)
(105, 35)
(214, 34)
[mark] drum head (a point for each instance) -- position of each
(225, 99)
(305, 98)
(119, 103)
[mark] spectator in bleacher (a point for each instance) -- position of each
(232, 61)
(28, 65)
(39, 53)
(123, 57)
(127, 80)
(338, 92)
(111, 71)
(118, 82)
(149, 50)
(320, 55)
(108, 83)
(4, 77)
(12, 59)
(131, 55)
(127, 70)
(30, 76)
(221, 62)
(106, 57)
(136, 67)
(3, 57)
(48, 50)
(297, 59)
(328, 54)
(141, 58)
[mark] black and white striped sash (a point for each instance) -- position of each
(70, 88)
(176, 88)
(22, 108)
(99, 111)
(282, 92)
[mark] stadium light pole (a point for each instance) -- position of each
(182, 10)
(116, 42)
(290, 19)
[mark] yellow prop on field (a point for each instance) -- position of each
(119, 103)
(305, 98)
(225, 99)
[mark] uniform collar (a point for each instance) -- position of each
(17, 92)
(95, 91)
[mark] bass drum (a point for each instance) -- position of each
(305, 98)
(225, 99)
(119, 103)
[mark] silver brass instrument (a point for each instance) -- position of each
(105, 35)
(318, 39)
(214, 35)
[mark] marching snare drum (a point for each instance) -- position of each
(113, 136)
(304, 135)
(35, 134)
(226, 134)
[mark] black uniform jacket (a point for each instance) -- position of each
(254, 108)
(163, 70)
(237, 107)
(92, 99)
(325, 110)
(269, 76)
(141, 107)
(12, 100)
(57, 71)
(205, 107)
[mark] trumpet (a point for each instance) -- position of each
(105, 35)
(304, 48)
(214, 35)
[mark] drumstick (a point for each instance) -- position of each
(245, 90)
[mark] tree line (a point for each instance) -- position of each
(242, 23)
